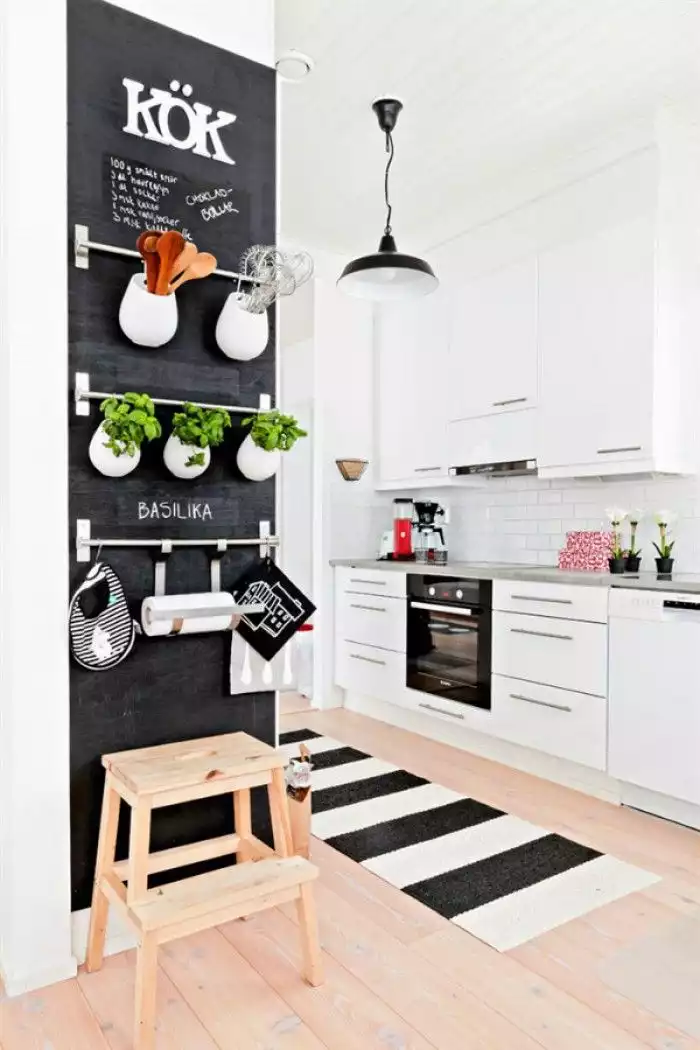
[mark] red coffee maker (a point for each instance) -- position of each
(403, 529)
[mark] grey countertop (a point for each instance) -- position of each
(683, 582)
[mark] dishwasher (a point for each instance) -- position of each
(654, 701)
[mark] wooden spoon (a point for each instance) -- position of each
(146, 245)
(202, 265)
(169, 246)
(183, 260)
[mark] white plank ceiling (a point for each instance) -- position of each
(489, 87)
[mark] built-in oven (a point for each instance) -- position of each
(448, 638)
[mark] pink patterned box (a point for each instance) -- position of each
(586, 551)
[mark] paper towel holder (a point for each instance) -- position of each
(178, 616)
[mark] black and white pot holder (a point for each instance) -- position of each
(286, 608)
(100, 625)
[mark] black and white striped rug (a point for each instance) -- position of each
(501, 878)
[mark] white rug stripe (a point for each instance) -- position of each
(528, 913)
(350, 772)
(376, 810)
(314, 744)
(436, 856)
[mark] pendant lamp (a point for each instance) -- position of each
(387, 274)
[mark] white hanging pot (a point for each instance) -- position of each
(240, 334)
(145, 318)
(104, 460)
(256, 463)
(176, 454)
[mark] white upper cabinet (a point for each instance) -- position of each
(493, 347)
(411, 411)
(596, 341)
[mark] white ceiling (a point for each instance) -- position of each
(489, 86)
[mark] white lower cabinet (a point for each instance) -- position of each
(557, 721)
(372, 620)
(372, 672)
(568, 654)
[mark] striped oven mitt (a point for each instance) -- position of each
(99, 622)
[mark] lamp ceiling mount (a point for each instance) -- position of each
(387, 111)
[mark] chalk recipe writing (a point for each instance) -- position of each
(163, 510)
(141, 196)
(213, 210)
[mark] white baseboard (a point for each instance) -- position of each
(570, 774)
(17, 984)
(675, 809)
(120, 935)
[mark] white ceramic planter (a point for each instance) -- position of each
(240, 334)
(176, 454)
(104, 460)
(147, 319)
(255, 463)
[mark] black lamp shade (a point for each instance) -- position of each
(387, 274)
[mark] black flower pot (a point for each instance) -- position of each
(616, 565)
(632, 564)
(664, 566)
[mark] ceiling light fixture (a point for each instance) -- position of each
(387, 274)
(293, 66)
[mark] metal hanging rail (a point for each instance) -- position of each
(82, 246)
(83, 395)
(84, 541)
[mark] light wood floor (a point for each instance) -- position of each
(398, 976)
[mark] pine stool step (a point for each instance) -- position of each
(262, 878)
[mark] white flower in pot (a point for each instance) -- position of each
(196, 431)
(271, 433)
(115, 448)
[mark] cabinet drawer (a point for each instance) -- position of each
(566, 602)
(564, 653)
(555, 721)
(372, 620)
(376, 673)
(371, 581)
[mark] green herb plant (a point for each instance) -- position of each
(271, 430)
(127, 422)
(200, 427)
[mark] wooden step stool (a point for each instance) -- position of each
(262, 877)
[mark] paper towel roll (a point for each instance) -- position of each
(175, 608)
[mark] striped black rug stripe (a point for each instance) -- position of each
(416, 827)
(497, 876)
(362, 790)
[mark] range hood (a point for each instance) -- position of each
(513, 468)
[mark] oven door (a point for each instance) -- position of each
(448, 651)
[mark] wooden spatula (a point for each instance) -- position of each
(202, 265)
(169, 246)
(146, 245)
(183, 260)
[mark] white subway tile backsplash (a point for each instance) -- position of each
(526, 520)
(549, 496)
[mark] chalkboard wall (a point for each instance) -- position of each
(120, 183)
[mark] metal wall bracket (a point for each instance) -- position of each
(82, 539)
(264, 535)
(81, 393)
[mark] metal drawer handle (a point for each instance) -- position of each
(370, 583)
(624, 448)
(539, 703)
(367, 659)
(534, 598)
(509, 401)
(543, 634)
(424, 470)
(439, 710)
(370, 608)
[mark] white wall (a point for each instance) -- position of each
(35, 920)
